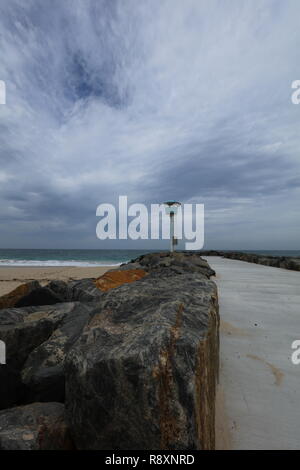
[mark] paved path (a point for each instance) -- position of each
(260, 318)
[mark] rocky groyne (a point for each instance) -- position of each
(284, 262)
(126, 361)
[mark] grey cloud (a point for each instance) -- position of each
(155, 100)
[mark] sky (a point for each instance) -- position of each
(154, 99)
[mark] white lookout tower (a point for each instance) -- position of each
(171, 210)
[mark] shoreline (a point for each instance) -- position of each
(12, 276)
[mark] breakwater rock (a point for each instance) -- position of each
(133, 355)
(40, 426)
(284, 262)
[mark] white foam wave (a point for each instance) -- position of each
(55, 263)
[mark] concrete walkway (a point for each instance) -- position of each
(260, 318)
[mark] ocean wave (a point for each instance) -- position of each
(56, 263)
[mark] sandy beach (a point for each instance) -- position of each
(10, 278)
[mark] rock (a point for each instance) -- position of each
(33, 294)
(10, 300)
(143, 373)
(291, 263)
(138, 349)
(116, 278)
(24, 329)
(43, 371)
(12, 390)
(83, 290)
(175, 263)
(39, 296)
(38, 426)
(37, 339)
(284, 262)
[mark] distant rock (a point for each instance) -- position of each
(284, 262)
(175, 263)
(38, 426)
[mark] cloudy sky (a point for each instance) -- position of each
(156, 100)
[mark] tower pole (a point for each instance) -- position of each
(172, 231)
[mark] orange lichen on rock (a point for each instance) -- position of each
(10, 300)
(114, 279)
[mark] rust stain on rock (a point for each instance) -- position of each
(206, 376)
(116, 278)
(9, 300)
(163, 372)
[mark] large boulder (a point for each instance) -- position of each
(37, 339)
(24, 329)
(175, 263)
(39, 426)
(143, 373)
(43, 371)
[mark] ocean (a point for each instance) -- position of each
(83, 258)
(86, 258)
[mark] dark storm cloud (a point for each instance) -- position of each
(155, 100)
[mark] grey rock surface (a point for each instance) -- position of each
(39, 426)
(177, 263)
(37, 339)
(143, 373)
(43, 371)
(83, 290)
